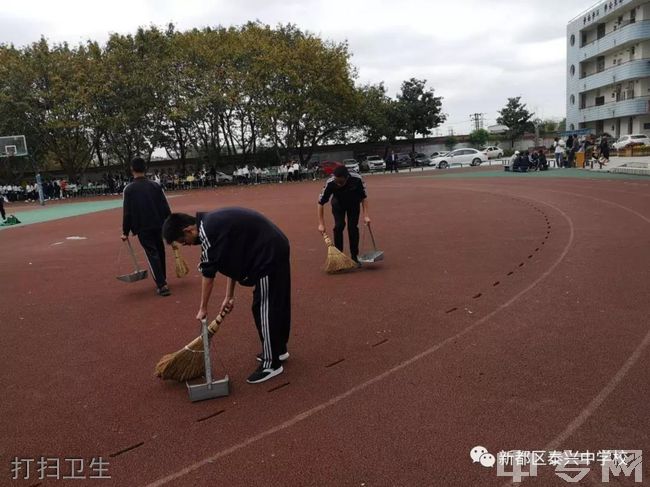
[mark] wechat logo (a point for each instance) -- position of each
(480, 455)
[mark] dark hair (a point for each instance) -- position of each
(138, 164)
(173, 227)
(341, 172)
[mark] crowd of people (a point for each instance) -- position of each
(169, 179)
(564, 154)
(534, 160)
(595, 152)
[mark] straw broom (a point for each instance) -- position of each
(181, 266)
(336, 260)
(187, 363)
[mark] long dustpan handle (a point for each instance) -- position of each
(135, 261)
(372, 236)
(206, 352)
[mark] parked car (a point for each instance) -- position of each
(633, 139)
(420, 159)
(351, 164)
(222, 177)
(492, 152)
(437, 154)
(459, 156)
(403, 159)
(327, 167)
(375, 163)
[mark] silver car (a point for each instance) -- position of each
(459, 157)
(375, 163)
(351, 164)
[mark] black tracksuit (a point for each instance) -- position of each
(247, 247)
(2, 207)
(145, 210)
(346, 200)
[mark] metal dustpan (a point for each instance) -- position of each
(374, 255)
(138, 274)
(211, 388)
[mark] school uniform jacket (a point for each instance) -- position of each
(348, 196)
(241, 244)
(145, 206)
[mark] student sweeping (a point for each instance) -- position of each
(145, 210)
(248, 249)
(348, 193)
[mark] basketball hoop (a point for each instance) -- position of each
(13, 146)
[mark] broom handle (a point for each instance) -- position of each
(177, 253)
(135, 261)
(212, 329)
(328, 242)
(372, 236)
(206, 352)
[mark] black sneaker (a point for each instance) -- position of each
(283, 356)
(262, 374)
(163, 291)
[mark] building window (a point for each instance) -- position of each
(573, 100)
(573, 39)
(572, 70)
(572, 127)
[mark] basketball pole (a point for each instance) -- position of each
(39, 185)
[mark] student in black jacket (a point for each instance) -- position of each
(145, 210)
(248, 249)
(348, 193)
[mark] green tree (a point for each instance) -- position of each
(19, 114)
(131, 91)
(307, 92)
(450, 142)
(479, 137)
(422, 110)
(517, 118)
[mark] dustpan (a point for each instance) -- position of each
(138, 274)
(374, 255)
(209, 389)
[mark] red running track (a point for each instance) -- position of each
(510, 313)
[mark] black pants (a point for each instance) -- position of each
(353, 228)
(272, 312)
(2, 208)
(154, 248)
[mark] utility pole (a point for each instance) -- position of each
(477, 119)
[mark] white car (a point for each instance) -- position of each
(459, 157)
(351, 164)
(634, 139)
(492, 152)
(222, 177)
(375, 163)
(438, 154)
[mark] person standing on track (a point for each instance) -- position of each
(2, 206)
(348, 193)
(251, 250)
(145, 209)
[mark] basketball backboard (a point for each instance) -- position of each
(13, 145)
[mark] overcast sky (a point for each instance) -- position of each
(475, 54)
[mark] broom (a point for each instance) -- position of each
(181, 266)
(187, 363)
(336, 260)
